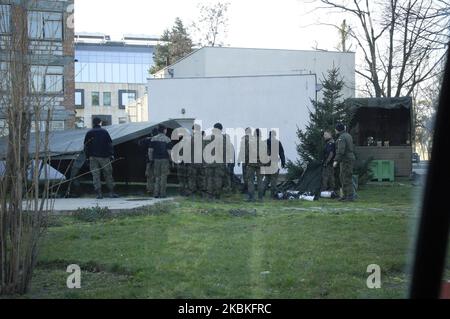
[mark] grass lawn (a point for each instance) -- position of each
(196, 249)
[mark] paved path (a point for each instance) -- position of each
(68, 205)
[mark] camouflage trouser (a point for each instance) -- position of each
(215, 174)
(161, 170)
(228, 185)
(182, 173)
(150, 177)
(252, 172)
(244, 177)
(196, 178)
(347, 178)
(272, 179)
(98, 165)
(328, 183)
(202, 178)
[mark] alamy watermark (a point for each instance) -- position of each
(260, 147)
(374, 279)
(70, 21)
(74, 279)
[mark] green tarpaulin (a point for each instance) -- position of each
(384, 103)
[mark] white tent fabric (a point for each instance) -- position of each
(46, 172)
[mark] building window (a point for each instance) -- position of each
(106, 119)
(4, 77)
(4, 131)
(48, 79)
(5, 19)
(45, 25)
(79, 99)
(122, 120)
(57, 126)
(126, 97)
(106, 98)
(95, 98)
(79, 122)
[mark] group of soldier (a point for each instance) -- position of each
(199, 176)
(205, 165)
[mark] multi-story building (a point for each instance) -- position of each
(44, 32)
(111, 75)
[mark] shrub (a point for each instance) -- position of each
(362, 169)
(156, 209)
(295, 170)
(93, 214)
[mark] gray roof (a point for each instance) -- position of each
(70, 142)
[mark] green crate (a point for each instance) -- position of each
(383, 170)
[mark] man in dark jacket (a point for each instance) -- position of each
(273, 144)
(345, 158)
(99, 150)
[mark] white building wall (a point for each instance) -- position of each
(267, 102)
(216, 61)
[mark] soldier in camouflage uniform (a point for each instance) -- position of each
(183, 179)
(161, 146)
(244, 161)
(196, 167)
(182, 174)
(202, 170)
(252, 154)
(345, 158)
(145, 144)
(228, 183)
(216, 171)
(329, 153)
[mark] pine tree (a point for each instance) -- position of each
(176, 44)
(324, 116)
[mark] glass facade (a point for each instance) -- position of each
(5, 18)
(113, 64)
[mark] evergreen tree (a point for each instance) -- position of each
(324, 116)
(176, 44)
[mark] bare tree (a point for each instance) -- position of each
(212, 24)
(344, 37)
(24, 184)
(402, 42)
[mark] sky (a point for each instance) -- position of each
(281, 24)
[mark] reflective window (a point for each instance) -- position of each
(79, 98)
(122, 120)
(48, 79)
(113, 66)
(45, 25)
(79, 122)
(5, 18)
(95, 98)
(4, 76)
(126, 97)
(106, 98)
